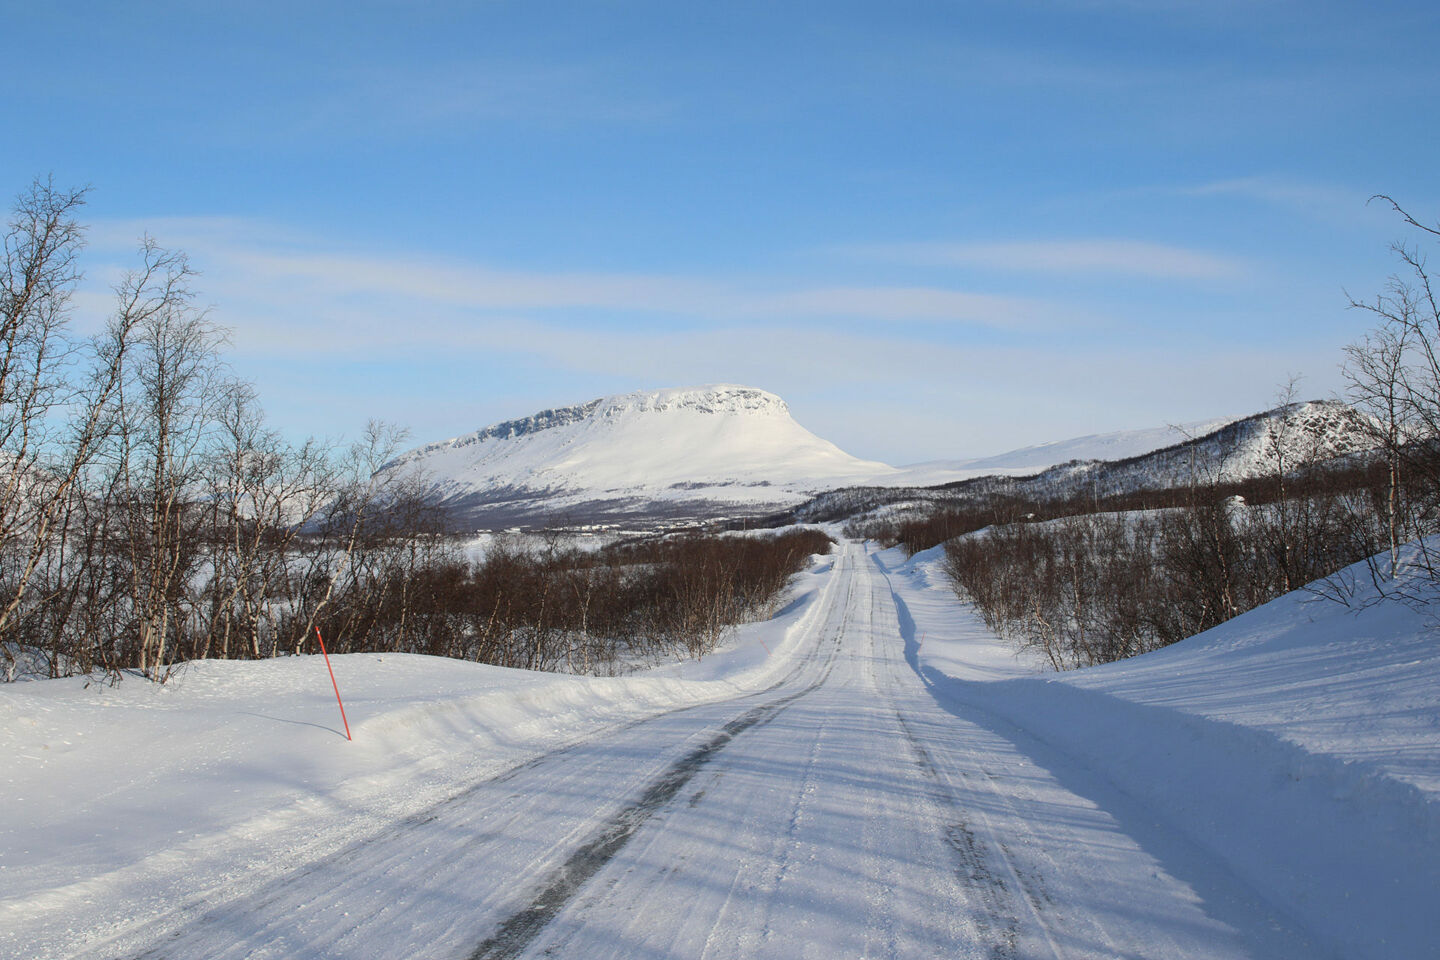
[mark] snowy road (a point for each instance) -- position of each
(847, 811)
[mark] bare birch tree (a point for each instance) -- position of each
(1394, 375)
(167, 411)
(51, 429)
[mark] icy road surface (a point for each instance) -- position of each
(862, 805)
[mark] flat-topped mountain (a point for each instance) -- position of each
(719, 450)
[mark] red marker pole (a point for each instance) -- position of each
(333, 683)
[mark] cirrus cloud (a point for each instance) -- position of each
(1129, 257)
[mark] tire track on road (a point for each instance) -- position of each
(515, 933)
(974, 855)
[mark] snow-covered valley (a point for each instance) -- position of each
(868, 774)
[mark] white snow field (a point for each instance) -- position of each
(870, 774)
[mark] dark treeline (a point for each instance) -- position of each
(149, 516)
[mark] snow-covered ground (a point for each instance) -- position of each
(122, 801)
(868, 774)
(1297, 745)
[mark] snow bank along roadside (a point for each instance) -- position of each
(123, 801)
(1296, 747)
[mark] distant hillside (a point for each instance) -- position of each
(1251, 447)
(730, 452)
(1239, 450)
(1025, 461)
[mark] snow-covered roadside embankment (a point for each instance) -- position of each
(123, 801)
(1296, 747)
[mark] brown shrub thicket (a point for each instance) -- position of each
(533, 604)
(1094, 588)
(1085, 587)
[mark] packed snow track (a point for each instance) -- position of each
(849, 810)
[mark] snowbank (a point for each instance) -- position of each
(1296, 746)
(124, 800)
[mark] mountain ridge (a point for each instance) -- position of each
(726, 451)
(1246, 448)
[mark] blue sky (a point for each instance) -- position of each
(937, 229)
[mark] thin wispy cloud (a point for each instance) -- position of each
(491, 90)
(1327, 201)
(964, 377)
(296, 278)
(294, 301)
(483, 288)
(933, 304)
(1028, 67)
(1128, 257)
(443, 102)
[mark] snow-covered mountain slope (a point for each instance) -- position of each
(1229, 448)
(730, 451)
(1256, 446)
(1118, 445)
(713, 449)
